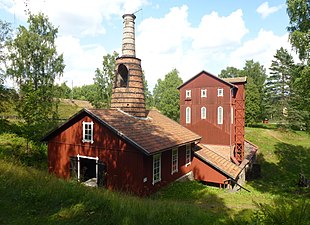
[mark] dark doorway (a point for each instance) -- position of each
(87, 169)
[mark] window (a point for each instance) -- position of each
(188, 93)
(232, 114)
(188, 157)
(203, 93)
(88, 132)
(156, 168)
(203, 113)
(220, 92)
(220, 115)
(188, 115)
(174, 168)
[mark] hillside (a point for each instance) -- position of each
(67, 108)
(31, 196)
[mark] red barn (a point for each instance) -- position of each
(126, 147)
(214, 108)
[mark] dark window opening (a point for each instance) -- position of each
(87, 169)
(121, 76)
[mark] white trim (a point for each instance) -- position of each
(220, 92)
(86, 157)
(91, 132)
(203, 113)
(157, 157)
(174, 150)
(188, 157)
(188, 115)
(188, 93)
(203, 93)
(220, 114)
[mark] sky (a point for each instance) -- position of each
(189, 36)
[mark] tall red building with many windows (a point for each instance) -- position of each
(214, 108)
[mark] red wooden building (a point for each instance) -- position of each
(214, 108)
(126, 147)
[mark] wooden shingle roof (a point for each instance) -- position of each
(152, 134)
(218, 161)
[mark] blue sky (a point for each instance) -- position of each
(187, 35)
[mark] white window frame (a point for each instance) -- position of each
(188, 115)
(156, 168)
(203, 113)
(203, 93)
(174, 160)
(91, 129)
(188, 155)
(220, 92)
(220, 114)
(188, 94)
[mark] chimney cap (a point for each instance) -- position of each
(128, 14)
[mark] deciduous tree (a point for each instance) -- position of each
(166, 95)
(34, 66)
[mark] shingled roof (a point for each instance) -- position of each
(234, 80)
(152, 134)
(218, 161)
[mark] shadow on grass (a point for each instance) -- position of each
(281, 178)
(198, 194)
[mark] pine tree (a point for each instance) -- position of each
(278, 86)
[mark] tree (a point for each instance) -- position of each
(147, 94)
(62, 91)
(252, 103)
(104, 82)
(299, 28)
(229, 72)
(166, 95)
(5, 35)
(34, 66)
(278, 85)
(256, 77)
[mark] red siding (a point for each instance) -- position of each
(126, 166)
(209, 129)
(202, 171)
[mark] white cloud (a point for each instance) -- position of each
(264, 10)
(217, 31)
(81, 60)
(77, 17)
(171, 42)
(261, 49)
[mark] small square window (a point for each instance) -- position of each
(220, 92)
(204, 93)
(88, 128)
(188, 93)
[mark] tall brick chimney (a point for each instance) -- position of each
(128, 88)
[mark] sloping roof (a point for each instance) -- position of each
(235, 80)
(221, 163)
(151, 135)
(211, 75)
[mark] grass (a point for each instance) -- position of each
(31, 196)
(66, 108)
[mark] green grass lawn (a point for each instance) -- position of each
(32, 196)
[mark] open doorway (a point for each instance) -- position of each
(89, 170)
